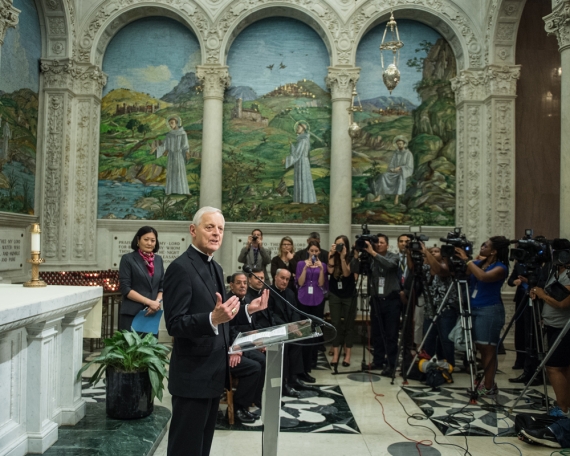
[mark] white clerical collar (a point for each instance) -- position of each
(210, 257)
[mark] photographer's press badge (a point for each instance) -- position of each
(381, 282)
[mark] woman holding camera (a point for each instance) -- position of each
(342, 298)
(486, 277)
(284, 259)
(141, 275)
(555, 315)
(312, 283)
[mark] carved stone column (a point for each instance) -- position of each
(471, 177)
(485, 191)
(69, 148)
(341, 81)
(215, 80)
(501, 86)
(558, 23)
(8, 18)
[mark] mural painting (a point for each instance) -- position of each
(404, 161)
(277, 121)
(151, 123)
(19, 87)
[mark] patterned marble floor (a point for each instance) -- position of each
(449, 409)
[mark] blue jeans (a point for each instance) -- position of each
(438, 342)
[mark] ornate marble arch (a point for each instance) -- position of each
(502, 25)
(444, 16)
(236, 17)
(112, 15)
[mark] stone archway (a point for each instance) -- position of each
(503, 20)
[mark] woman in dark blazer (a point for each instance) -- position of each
(141, 277)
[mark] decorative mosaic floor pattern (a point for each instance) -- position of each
(449, 409)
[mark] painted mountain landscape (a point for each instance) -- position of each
(424, 114)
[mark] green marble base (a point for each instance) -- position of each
(99, 435)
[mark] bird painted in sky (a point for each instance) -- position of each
(281, 66)
(270, 66)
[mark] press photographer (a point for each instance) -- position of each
(486, 277)
(254, 254)
(555, 314)
(381, 266)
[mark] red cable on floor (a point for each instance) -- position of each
(377, 395)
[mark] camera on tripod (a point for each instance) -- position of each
(456, 239)
(415, 245)
(531, 252)
(361, 246)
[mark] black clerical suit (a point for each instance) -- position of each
(293, 364)
(199, 360)
(251, 369)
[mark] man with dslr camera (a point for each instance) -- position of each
(385, 308)
(254, 254)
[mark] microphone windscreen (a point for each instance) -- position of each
(247, 268)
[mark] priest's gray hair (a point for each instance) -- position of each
(282, 269)
(205, 210)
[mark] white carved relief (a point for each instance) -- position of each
(460, 169)
(558, 23)
(67, 73)
(8, 18)
(56, 25)
(502, 80)
(341, 81)
(52, 5)
(469, 86)
(215, 80)
(53, 153)
(473, 134)
(489, 207)
(81, 177)
(94, 177)
(504, 159)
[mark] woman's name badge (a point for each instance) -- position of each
(310, 290)
(339, 285)
(381, 282)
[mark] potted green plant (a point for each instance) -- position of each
(134, 368)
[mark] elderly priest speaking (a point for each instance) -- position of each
(197, 315)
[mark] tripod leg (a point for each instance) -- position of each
(466, 324)
(433, 322)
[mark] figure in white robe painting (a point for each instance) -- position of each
(303, 188)
(401, 167)
(175, 147)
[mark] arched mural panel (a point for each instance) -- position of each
(151, 123)
(277, 121)
(19, 89)
(414, 185)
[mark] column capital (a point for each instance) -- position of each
(8, 18)
(341, 81)
(502, 79)
(69, 74)
(477, 85)
(215, 80)
(558, 23)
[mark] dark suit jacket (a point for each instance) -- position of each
(240, 322)
(133, 275)
(199, 360)
(263, 318)
(282, 313)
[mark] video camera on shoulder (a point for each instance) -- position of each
(416, 239)
(531, 252)
(365, 236)
(456, 239)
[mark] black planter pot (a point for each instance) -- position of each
(129, 394)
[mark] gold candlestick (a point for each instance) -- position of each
(36, 282)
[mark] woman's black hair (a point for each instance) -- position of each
(336, 258)
(501, 245)
(315, 243)
(140, 233)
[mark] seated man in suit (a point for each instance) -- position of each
(245, 394)
(282, 313)
(264, 318)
